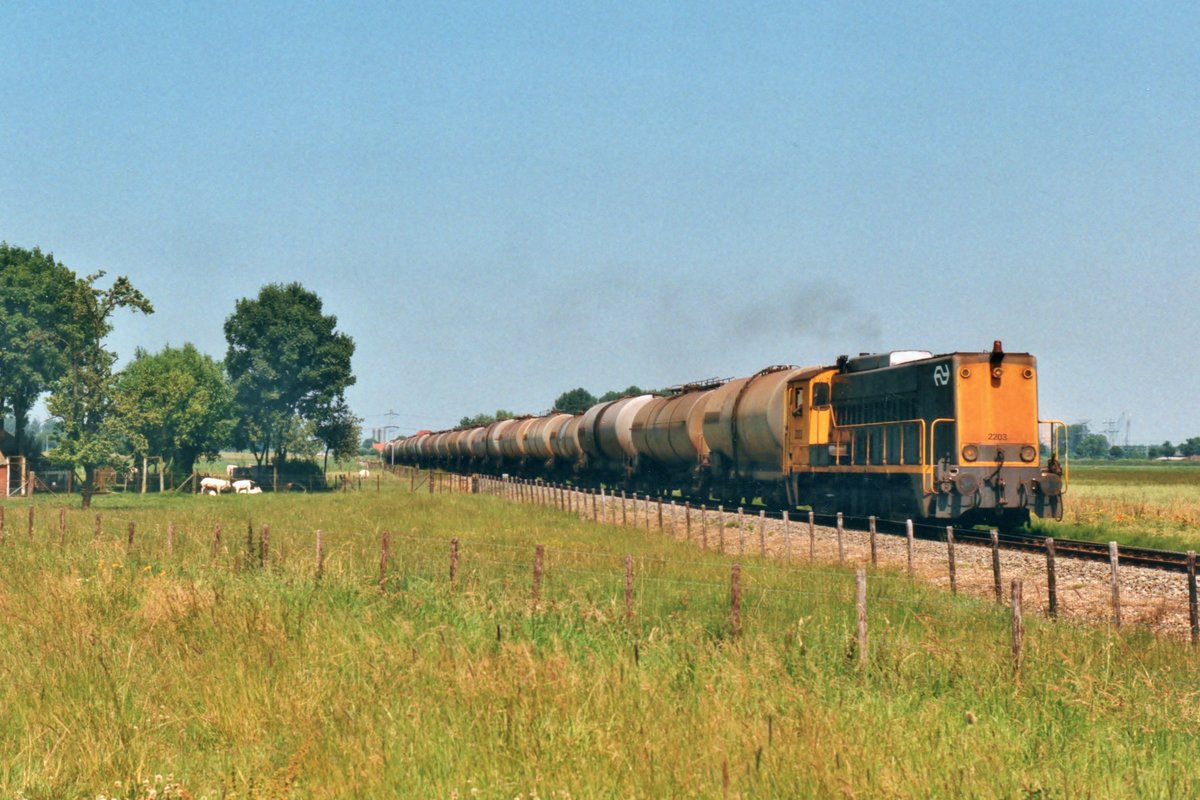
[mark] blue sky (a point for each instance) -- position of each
(503, 203)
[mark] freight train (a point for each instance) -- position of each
(953, 438)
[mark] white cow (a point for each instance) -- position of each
(364, 473)
(245, 486)
(230, 470)
(214, 485)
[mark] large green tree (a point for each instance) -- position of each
(83, 396)
(575, 401)
(176, 404)
(485, 419)
(287, 361)
(629, 391)
(338, 429)
(35, 324)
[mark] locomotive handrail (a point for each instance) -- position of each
(1066, 466)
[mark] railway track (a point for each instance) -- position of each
(1082, 549)
(1165, 560)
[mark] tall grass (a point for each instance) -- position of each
(1147, 506)
(137, 672)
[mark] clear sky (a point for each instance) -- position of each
(502, 203)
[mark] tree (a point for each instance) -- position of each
(485, 419)
(176, 404)
(82, 398)
(1075, 435)
(35, 323)
(286, 361)
(629, 391)
(1094, 445)
(1191, 447)
(575, 401)
(1116, 451)
(339, 430)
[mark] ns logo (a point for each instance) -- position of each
(941, 375)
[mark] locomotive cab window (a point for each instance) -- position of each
(798, 403)
(820, 395)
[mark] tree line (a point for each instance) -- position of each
(279, 390)
(572, 401)
(1082, 442)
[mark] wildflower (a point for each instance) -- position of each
(147, 568)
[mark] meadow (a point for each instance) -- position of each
(183, 666)
(1142, 504)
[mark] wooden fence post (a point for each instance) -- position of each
(384, 547)
(1018, 628)
(264, 546)
(624, 518)
(703, 526)
(1116, 584)
(29, 530)
(129, 541)
(950, 555)
(320, 554)
(841, 543)
(860, 580)
(741, 520)
(721, 527)
(216, 543)
(687, 521)
(62, 527)
(628, 587)
(538, 555)
(996, 566)
(908, 530)
(812, 536)
(735, 599)
(96, 531)
(787, 535)
(250, 540)
(1051, 578)
(453, 561)
(594, 515)
(762, 533)
(1193, 609)
(874, 555)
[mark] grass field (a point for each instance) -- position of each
(144, 671)
(1149, 505)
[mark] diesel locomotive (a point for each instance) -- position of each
(953, 438)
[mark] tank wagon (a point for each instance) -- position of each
(902, 434)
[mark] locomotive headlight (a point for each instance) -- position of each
(970, 452)
(1028, 453)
